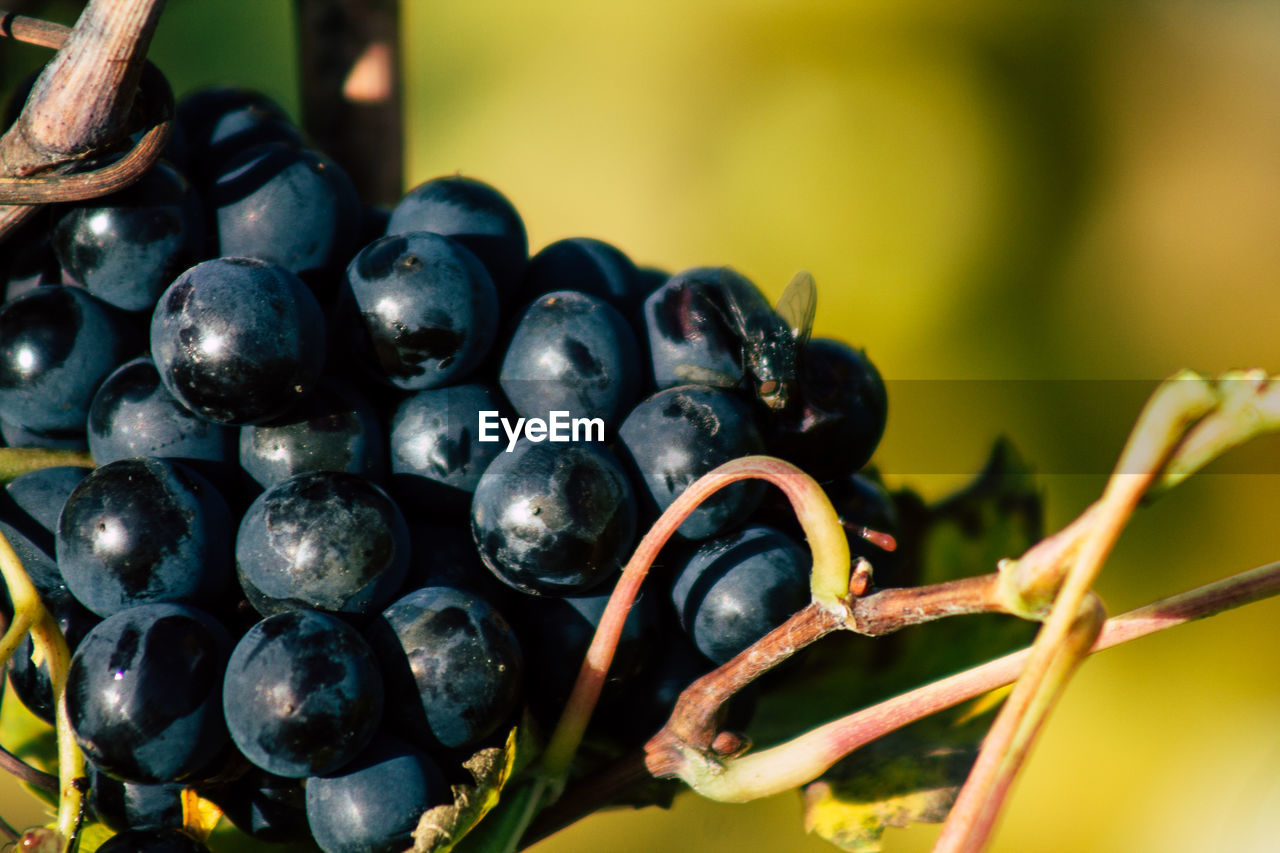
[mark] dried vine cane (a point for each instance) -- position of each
(158, 111)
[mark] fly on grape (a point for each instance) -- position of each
(772, 339)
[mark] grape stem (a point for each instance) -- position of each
(829, 581)
(30, 615)
(807, 756)
(15, 766)
(16, 461)
(837, 739)
(1075, 616)
(692, 724)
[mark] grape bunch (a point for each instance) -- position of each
(364, 479)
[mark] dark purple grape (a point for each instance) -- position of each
(264, 806)
(56, 345)
(420, 310)
(287, 205)
(676, 436)
(555, 634)
(238, 340)
(452, 667)
(372, 805)
(303, 694)
(126, 248)
(324, 539)
(334, 429)
(220, 122)
(575, 354)
(144, 693)
(445, 555)
(140, 531)
(477, 216)
(19, 436)
(40, 495)
(586, 265)
(556, 519)
(27, 260)
(839, 416)
(735, 589)
(689, 340)
(436, 455)
(152, 841)
(130, 805)
(133, 414)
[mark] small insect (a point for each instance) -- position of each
(772, 339)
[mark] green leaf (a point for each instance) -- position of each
(441, 828)
(912, 775)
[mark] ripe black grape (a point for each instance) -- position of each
(125, 248)
(452, 667)
(476, 215)
(436, 453)
(422, 307)
(303, 694)
(676, 436)
(285, 204)
(238, 340)
(373, 804)
(133, 414)
(324, 539)
(56, 344)
(572, 353)
(334, 429)
(144, 530)
(555, 519)
(129, 805)
(144, 693)
(735, 589)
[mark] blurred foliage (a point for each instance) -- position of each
(1026, 212)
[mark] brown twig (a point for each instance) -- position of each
(80, 103)
(1174, 408)
(25, 28)
(693, 720)
(842, 736)
(94, 183)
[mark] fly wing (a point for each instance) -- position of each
(734, 307)
(798, 305)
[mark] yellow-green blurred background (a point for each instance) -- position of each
(985, 190)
